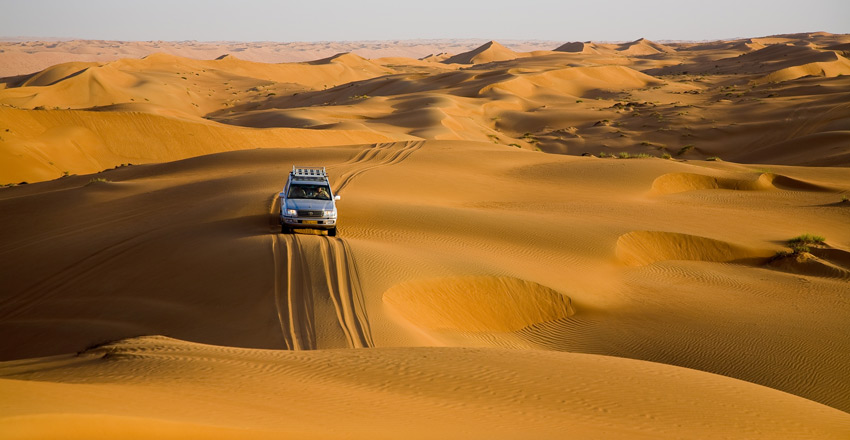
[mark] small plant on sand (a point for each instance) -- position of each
(800, 246)
(806, 240)
(98, 180)
(797, 248)
(515, 145)
(845, 199)
(579, 101)
(623, 155)
(530, 138)
(685, 149)
(713, 159)
(604, 154)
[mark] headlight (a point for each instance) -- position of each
(291, 213)
(330, 214)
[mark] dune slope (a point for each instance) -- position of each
(505, 394)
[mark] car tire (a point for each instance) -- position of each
(285, 229)
(332, 232)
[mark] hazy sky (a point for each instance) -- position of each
(324, 20)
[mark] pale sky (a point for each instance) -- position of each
(347, 20)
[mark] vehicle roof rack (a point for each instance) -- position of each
(298, 171)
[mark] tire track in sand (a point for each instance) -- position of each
(293, 295)
(344, 288)
(393, 158)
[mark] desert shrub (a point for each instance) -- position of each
(624, 155)
(666, 156)
(798, 248)
(713, 159)
(685, 149)
(806, 240)
(98, 180)
(530, 138)
(799, 245)
(780, 255)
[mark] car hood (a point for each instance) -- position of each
(309, 204)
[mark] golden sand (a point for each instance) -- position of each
(488, 281)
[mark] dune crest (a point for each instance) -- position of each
(577, 47)
(837, 66)
(641, 248)
(495, 393)
(643, 46)
(50, 143)
(477, 304)
(486, 53)
(682, 182)
(820, 260)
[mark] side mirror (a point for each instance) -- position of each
(336, 198)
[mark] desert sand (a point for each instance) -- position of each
(589, 240)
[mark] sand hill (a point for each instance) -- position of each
(643, 47)
(577, 47)
(580, 243)
(486, 53)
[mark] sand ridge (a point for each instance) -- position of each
(494, 383)
(616, 102)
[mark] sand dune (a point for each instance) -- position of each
(646, 247)
(643, 47)
(681, 182)
(835, 65)
(477, 304)
(590, 242)
(46, 144)
(191, 86)
(504, 395)
(577, 47)
(223, 202)
(486, 53)
(26, 57)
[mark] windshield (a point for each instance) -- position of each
(316, 192)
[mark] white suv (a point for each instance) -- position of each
(307, 202)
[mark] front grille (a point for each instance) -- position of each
(310, 213)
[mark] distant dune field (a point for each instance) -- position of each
(583, 240)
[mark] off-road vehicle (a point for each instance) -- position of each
(307, 201)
